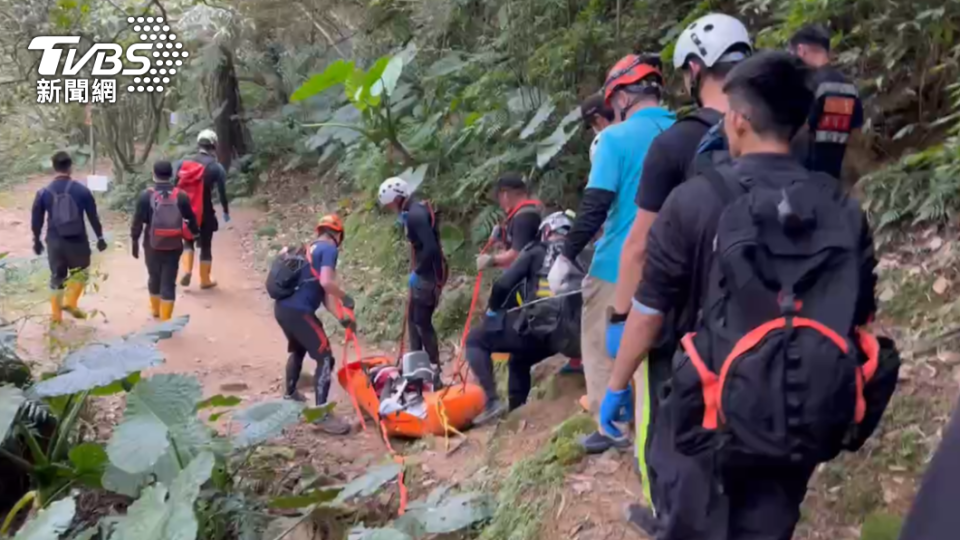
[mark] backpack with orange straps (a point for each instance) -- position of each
(776, 369)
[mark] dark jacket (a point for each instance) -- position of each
(424, 235)
(680, 244)
(43, 205)
(214, 175)
(522, 276)
(143, 215)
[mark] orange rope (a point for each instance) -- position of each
(350, 336)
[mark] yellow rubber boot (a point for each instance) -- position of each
(206, 282)
(71, 299)
(56, 307)
(155, 306)
(166, 310)
(186, 266)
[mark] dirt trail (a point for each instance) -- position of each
(232, 342)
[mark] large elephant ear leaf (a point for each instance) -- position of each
(155, 407)
(50, 522)
(264, 421)
(11, 398)
(161, 330)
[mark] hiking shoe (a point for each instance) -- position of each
(333, 425)
(492, 412)
(598, 443)
(572, 367)
(641, 519)
(296, 396)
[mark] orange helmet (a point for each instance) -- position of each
(332, 223)
(631, 69)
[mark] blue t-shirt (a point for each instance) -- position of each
(310, 295)
(616, 167)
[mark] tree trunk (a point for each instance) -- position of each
(234, 138)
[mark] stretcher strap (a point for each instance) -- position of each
(398, 459)
(350, 336)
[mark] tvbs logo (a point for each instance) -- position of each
(158, 56)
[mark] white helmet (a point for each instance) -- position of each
(555, 223)
(593, 146)
(207, 136)
(709, 38)
(391, 188)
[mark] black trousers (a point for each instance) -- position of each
(305, 335)
(423, 302)
(66, 258)
(162, 268)
(206, 243)
(499, 334)
(698, 498)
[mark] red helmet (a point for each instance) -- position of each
(331, 223)
(631, 69)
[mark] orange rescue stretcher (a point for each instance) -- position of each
(448, 411)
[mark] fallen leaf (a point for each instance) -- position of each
(580, 488)
(949, 357)
(940, 286)
(935, 243)
(887, 295)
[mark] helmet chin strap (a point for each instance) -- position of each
(695, 87)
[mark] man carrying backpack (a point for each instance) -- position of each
(520, 226)
(779, 263)
(429, 266)
(63, 203)
(315, 284)
(528, 333)
(837, 111)
(165, 212)
(633, 89)
(704, 57)
(197, 176)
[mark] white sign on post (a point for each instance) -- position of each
(98, 183)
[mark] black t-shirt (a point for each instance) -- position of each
(837, 111)
(523, 228)
(669, 161)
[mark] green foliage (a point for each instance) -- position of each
(880, 526)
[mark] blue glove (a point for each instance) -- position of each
(617, 406)
(491, 313)
(615, 325)
(414, 279)
(226, 217)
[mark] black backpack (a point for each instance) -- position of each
(166, 222)
(555, 321)
(284, 277)
(65, 216)
(776, 370)
(712, 150)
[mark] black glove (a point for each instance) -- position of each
(348, 320)
(348, 302)
(136, 250)
(101, 244)
(37, 246)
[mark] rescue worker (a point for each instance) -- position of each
(428, 268)
(705, 59)
(701, 496)
(597, 116)
(514, 331)
(296, 315)
(633, 89)
(520, 226)
(837, 111)
(197, 176)
(164, 211)
(63, 203)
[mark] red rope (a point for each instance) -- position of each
(350, 336)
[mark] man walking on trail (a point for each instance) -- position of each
(197, 176)
(520, 226)
(633, 89)
(837, 111)
(63, 204)
(429, 266)
(165, 212)
(705, 58)
(529, 334)
(317, 284)
(703, 259)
